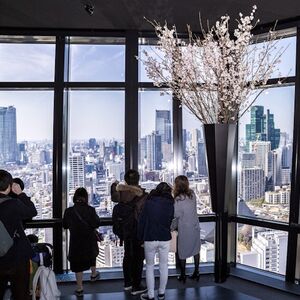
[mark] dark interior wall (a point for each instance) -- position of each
(129, 14)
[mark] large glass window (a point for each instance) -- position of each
(27, 61)
(262, 248)
(155, 139)
(96, 145)
(265, 156)
(26, 147)
(194, 160)
(287, 61)
(101, 59)
(207, 234)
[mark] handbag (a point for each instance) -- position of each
(99, 236)
(173, 241)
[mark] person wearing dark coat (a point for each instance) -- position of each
(14, 265)
(82, 220)
(130, 194)
(154, 228)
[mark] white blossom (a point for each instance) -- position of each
(213, 76)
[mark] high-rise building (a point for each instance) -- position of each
(196, 137)
(268, 250)
(163, 125)
(154, 152)
(271, 247)
(248, 160)
(92, 143)
(202, 166)
(8, 134)
(262, 127)
(77, 171)
(143, 150)
(279, 196)
(252, 183)
(261, 150)
(272, 133)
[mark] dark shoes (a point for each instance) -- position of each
(181, 278)
(79, 293)
(138, 290)
(161, 297)
(95, 277)
(195, 276)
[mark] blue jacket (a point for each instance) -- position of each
(156, 218)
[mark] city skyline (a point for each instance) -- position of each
(100, 115)
(106, 63)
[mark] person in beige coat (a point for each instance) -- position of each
(187, 225)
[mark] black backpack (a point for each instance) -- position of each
(124, 220)
(42, 254)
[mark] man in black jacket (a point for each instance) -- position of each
(14, 265)
(132, 196)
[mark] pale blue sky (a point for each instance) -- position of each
(100, 114)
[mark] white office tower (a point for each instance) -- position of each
(116, 170)
(261, 150)
(279, 196)
(207, 252)
(252, 183)
(110, 255)
(77, 171)
(268, 251)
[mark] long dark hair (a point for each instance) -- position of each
(182, 186)
(81, 196)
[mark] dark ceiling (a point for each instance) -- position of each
(128, 14)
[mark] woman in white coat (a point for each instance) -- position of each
(185, 213)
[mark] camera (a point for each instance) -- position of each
(89, 8)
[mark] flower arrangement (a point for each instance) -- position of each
(215, 74)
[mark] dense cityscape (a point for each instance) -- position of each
(265, 157)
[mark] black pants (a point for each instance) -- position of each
(18, 276)
(133, 263)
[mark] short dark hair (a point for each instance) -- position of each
(81, 196)
(132, 177)
(20, 182)
(5, 180)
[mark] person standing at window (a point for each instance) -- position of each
(130, 197)
(155, 230)
(187, 226)
(82, 220)
(14, 265)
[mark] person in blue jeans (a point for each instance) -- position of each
(154, 229)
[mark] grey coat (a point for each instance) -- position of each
(188, 226)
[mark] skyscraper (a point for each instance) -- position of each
(202, 167)
(77, 171)
(163, 125)
(8, 134)
(252, 183)
(262, 127)
(154, 153)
